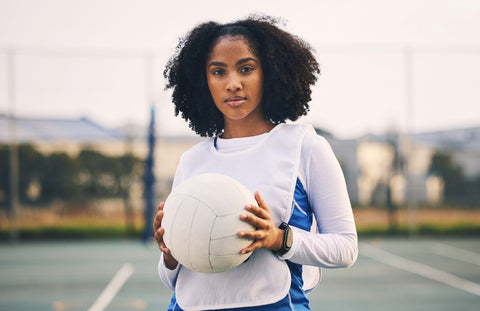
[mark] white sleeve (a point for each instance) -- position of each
(336, 245)
(168, 277)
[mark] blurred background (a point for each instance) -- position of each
(81, 81)
(89, 142)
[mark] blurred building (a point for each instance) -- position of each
(382, 170)
(462, 144)
(67, 135)
(394, 167)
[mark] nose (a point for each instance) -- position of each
(234, 83)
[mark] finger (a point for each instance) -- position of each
(256, 235)
(157, 222)
(260, 201)
(255, 245)
(161, 206)
(258, 211)
(161, 244)
(159, 235)
(254, 220)
(158, 216)
(164, 249)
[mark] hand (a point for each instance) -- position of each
(170, 262)
(267, 234)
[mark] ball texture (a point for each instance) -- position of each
(202, 220)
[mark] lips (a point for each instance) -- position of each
(235, 100)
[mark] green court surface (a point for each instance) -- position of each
(390, 274)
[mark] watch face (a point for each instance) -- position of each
(289, 238)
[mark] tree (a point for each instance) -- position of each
(30, 169)
(442, 165)
(104, 176)
(4, 176)
(58, 176)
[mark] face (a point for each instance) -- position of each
(235, 80)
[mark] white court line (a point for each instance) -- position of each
(112, 288)
(419, 269)
(456, 253)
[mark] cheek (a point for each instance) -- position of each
(259, 82)
(215, 95)
(213, 92)
(213, 88)
(259, 88)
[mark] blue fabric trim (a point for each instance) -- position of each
(302, 216)
(298, 297)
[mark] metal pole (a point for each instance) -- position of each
(412, 194)
(149, 181)
(13, 154)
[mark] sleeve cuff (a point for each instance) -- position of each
(169, 277)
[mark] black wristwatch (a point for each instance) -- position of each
(287, 238)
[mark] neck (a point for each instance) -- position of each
(245, 129)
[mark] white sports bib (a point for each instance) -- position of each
(270, 167)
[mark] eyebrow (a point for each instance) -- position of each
(241, 61)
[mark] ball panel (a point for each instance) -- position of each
(228, 246)
(170, 209)
(223, 193)
(180, 231)
(229, 226)
(228, 199)
(200, 231)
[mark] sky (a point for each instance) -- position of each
(410, 65)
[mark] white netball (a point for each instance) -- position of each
(202, 220)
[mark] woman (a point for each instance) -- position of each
(237, 84)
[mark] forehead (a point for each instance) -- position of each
(231, 46)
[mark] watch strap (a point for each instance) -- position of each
(285, 245)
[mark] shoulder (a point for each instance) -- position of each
(295, 130)
(189, 159)
(311, 143)
(316, 152)
(307, 136)
(199, 147)
(196, 151)
(297, 127)
(315, 142)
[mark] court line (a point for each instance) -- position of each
(419, 269)
(112, 288)
(456, 253)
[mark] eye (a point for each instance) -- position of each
(218, 72)
(246, 69)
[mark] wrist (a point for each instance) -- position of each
(277, 246)
(170, 262)
(287, 239)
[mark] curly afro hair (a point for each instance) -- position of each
(288, 64)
